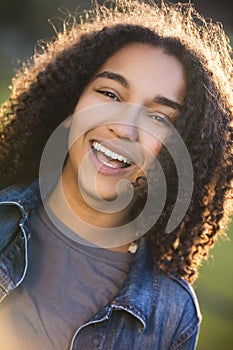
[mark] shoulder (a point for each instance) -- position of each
(177, 294)
(177, 308)
(19, 194)
(16, 203)
(178, 289)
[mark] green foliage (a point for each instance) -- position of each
(215, 293)
(4, 90)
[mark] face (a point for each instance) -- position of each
(130, 101)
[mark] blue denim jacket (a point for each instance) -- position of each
(151, 311)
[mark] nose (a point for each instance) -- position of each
(126, 126)
(124, 131)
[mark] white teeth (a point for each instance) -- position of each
(109, 153)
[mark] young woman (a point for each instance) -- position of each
(132, 89)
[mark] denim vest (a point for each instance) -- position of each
(151, 311)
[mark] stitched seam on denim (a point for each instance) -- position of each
(8, 282)
(132, 310)
(192, 294)
(92, 321)
(3, 293)
(157, 283)
(185, 335)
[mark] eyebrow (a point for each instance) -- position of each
(159, 99)
(114, 76)
(167, 102)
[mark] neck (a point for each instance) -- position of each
(108, 230)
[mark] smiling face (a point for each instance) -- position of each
(146, 87)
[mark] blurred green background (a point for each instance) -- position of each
(24, 22)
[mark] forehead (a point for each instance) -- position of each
(148, 66)
(143, 54)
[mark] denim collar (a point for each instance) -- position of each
(26, 199)
(138, 295)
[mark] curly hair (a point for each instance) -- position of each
(47, 88)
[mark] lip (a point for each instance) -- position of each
(104, 169)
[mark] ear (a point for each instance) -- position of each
(67, 122)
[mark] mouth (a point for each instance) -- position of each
(109, 158)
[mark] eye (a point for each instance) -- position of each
(160, 118)
(108, 94)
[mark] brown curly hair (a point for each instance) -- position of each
(47, 88)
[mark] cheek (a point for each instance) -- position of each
(75, 156)
(154, 142)
(86, 100)
(151, 146)
(82, 104)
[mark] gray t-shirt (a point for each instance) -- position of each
(66, 284)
